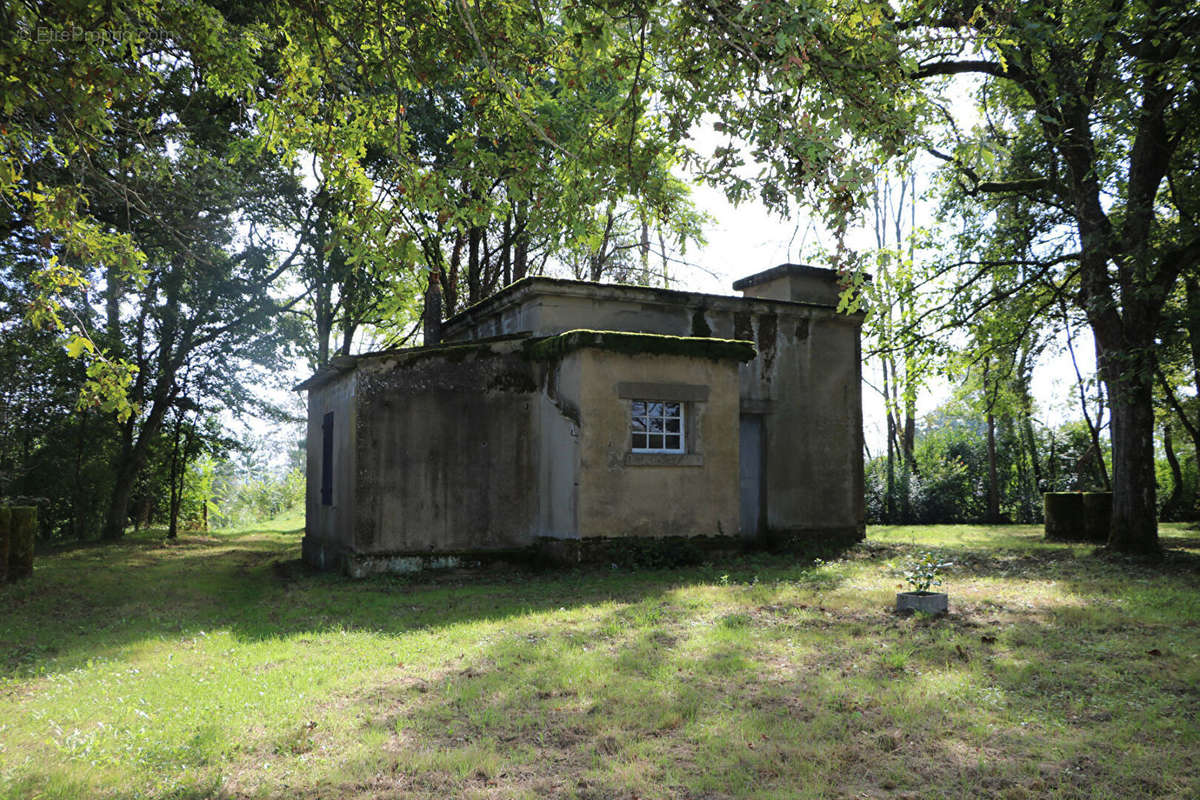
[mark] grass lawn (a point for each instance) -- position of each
(218, 667)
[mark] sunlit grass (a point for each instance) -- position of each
(218, 667)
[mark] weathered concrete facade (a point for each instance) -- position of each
(517, 430)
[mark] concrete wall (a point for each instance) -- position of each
(476, 448)
(327, 528)
(557, 423)
(447, 452)
(806, 381)
(625, 494)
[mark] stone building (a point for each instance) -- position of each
(566, 418)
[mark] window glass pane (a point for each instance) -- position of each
(656, 426)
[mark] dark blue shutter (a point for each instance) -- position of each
(327, 460)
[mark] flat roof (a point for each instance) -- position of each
(676, 297)
(552, 347)
(343, 364)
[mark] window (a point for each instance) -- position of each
(665, 421)
(657, 427)
(327, 460)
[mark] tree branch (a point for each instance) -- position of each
(940, 68)
(1016, 186)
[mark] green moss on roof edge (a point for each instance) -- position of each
(555, 347)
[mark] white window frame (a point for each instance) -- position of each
(649, 405)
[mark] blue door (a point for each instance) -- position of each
(750, 473)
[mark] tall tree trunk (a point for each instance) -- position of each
(130, 462)
(993, 481)
(520, 244)
(506, 251)
(323, 294)
(173, 511)
(78, 529)
(134, 448)
(600, 257)
(125, 475)
(433, 311)
(1171, 508)
(1025, 426)
(645, 251)
(890, 500)
(1134, 521)
(113, 292)
(1191, 285)
(449, 278)
(474, 235)
(910, 401)
(910, 435)
(662, 249)
(1092, 426)
(350, 300)
(323, 311)
(1181, 414)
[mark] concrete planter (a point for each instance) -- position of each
(1078, 516)
(930, 602)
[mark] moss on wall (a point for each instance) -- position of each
(743, 326)
(555, 347)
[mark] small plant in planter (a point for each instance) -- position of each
(923, 574)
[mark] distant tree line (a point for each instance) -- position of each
(987, 455)
(951, 473)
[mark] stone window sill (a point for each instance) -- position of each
(664, 460)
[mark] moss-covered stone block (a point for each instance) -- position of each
(1065, 518)
(5, 526)
(22, 533)
(1097, 515)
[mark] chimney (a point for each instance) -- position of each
(796, 282)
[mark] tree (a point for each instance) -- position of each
(131, 166)
(484, 143)
(83, 78)
(1086, 110)
(897, 325)
(1178, 370)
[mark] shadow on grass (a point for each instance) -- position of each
(718, 708)
(93, 602)
(661, 695)
(90, 601)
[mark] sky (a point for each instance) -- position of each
(748, 238)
